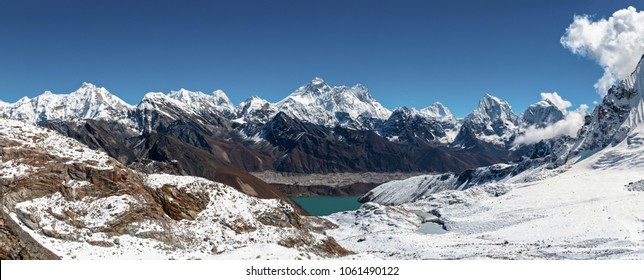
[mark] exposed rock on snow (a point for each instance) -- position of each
(82, 204)
(636, 186)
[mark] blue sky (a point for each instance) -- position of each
(410, 53)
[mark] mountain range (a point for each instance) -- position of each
(320, 125)
(85, 175)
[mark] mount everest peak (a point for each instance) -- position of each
(318, 103)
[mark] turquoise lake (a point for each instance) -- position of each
(326, 205)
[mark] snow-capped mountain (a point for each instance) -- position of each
(492, 122)
(541, 114)
(255, 110)
(318, 103)
(439, 112)
(345, 118)
(195, 101)
(88, 102)
(424, 126)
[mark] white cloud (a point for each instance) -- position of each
(569, 125)
(557, 100)
(616, 43)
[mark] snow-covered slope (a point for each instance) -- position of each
(318, 103)
(79, 203)
(617, 119)
(588, 212)
(581, 200)
(88, 102)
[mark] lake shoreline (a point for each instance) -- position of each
(327, 205)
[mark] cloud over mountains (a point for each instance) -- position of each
(616, 43)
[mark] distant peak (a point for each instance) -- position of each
(317, 84)
(256, 98)
(492, 97)
(317, 81)
(491, 100)
(403, 109)
(88, 85)
(89, 90)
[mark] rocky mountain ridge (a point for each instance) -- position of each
(80, 203)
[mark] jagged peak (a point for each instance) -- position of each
(87, 85)
(153, 95)
(23, 99)
(254, 98)
(492, 106)
(317, 81)
(492, 100)
(315, 87)
(404, 109)
(437, 111)
(89, 90)
(186, 95)
(219, 94)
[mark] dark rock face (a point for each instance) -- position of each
(179, 204)
(606, 119)
(308, 148)
(290, 145)
(413, 129)
(16, 244)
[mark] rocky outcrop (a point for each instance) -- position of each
(179, 204)
(78, 201)
(16, 244)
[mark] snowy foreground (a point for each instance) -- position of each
(588, 212)
(589, 209)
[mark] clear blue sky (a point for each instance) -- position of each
(406, 52)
